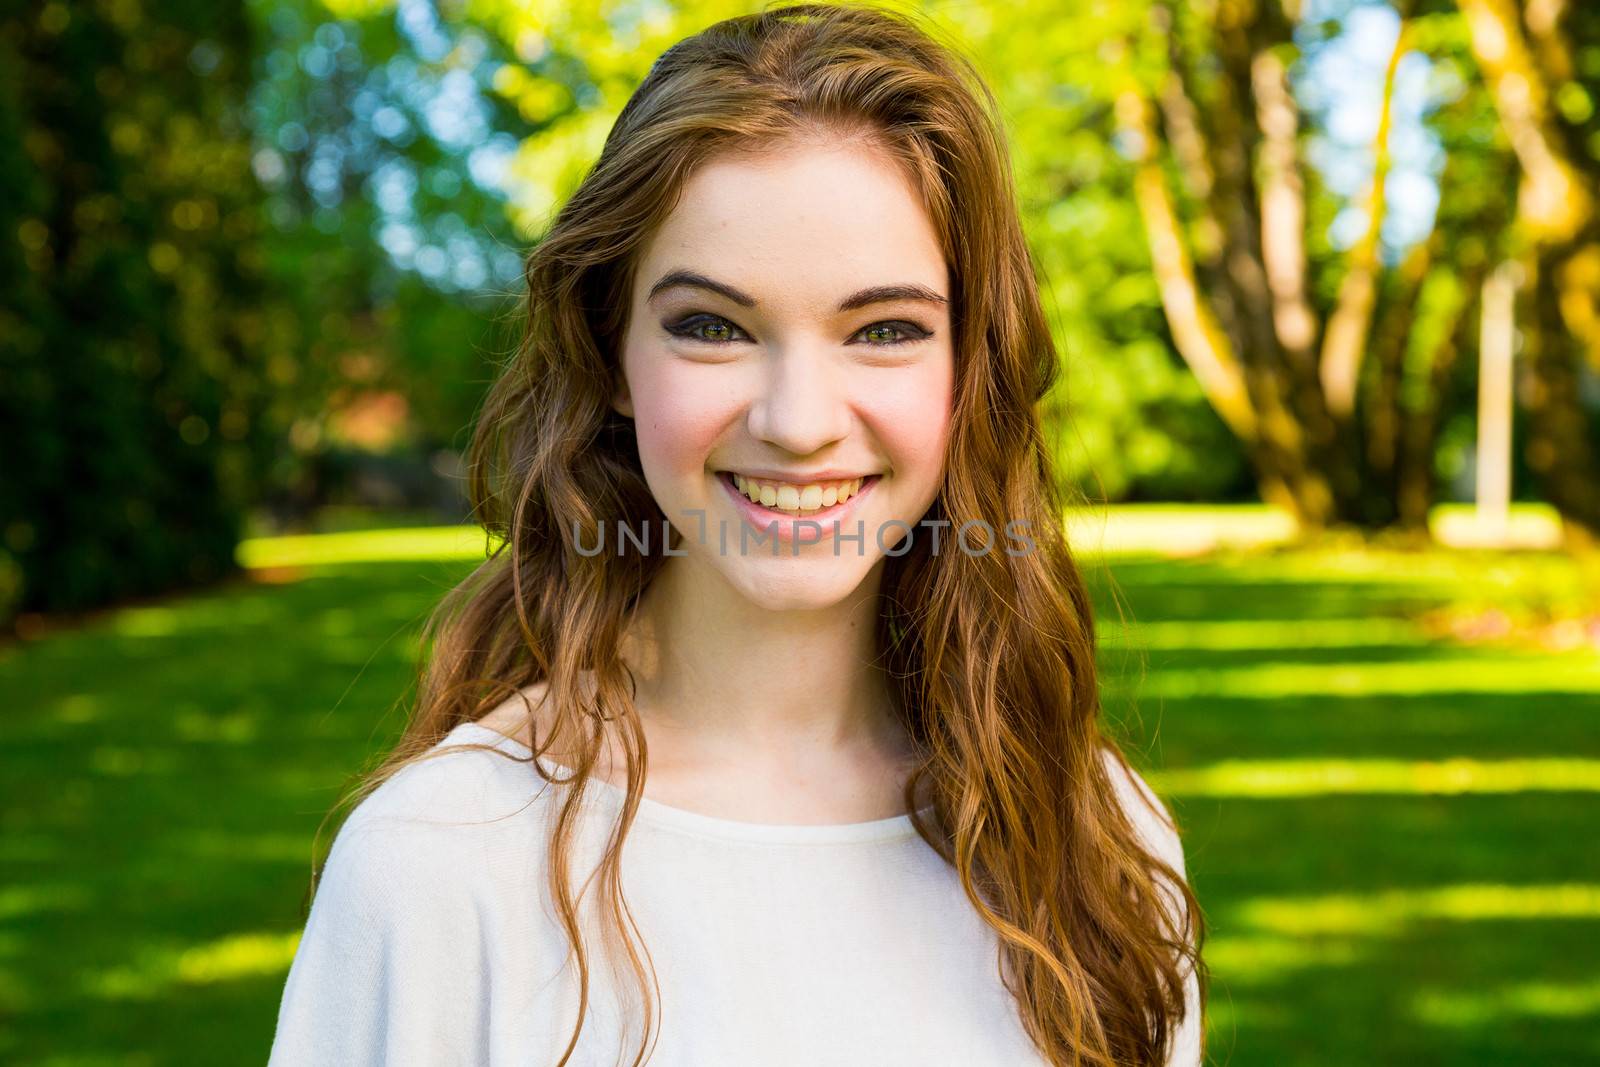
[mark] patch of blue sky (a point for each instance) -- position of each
(1339, 83)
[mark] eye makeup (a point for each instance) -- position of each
(685, 328)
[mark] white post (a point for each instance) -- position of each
(1496, 339)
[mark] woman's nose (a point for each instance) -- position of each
(803, 404)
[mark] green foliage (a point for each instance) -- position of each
(244, 219)
(556, 75)
(134, 343)
(1131, 421)
(377, 144)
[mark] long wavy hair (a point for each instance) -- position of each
(991, 655)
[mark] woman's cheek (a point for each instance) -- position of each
(911, 419)
(678, 421)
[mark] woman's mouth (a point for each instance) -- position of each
(768, 504)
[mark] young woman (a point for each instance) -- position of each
(777, 514)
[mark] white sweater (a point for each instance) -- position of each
(431, 939)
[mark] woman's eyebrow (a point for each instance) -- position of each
(876, 294)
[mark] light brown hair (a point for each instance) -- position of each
(992, 655)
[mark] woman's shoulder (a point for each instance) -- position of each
(470, 777)
(428, 866)
(1150, 816)
(464, 797)
(439, 832)
(1159, 831)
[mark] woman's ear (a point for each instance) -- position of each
(622, 400)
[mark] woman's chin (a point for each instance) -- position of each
(794, 584)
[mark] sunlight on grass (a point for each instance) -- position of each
(1317, 777)
(1544, 1000)
(1185, 529)
(1262, 960)
(147, 622)
(78, 708)
(1507, 674)
(1528, 524)
(1175, 529)
(365, 546)
(1262, 633)
(1390, 911)
(239, 956)
(1165, 529)
(20, 901)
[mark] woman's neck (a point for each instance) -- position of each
(716, 670)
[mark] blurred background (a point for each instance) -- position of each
(1325, 276)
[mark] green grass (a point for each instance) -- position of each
(1393, 835)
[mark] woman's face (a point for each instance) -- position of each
(790, 323)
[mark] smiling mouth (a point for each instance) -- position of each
(832, 497)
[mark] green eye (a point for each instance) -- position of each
(711, 329)
(691, 329)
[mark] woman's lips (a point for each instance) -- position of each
(787, 528)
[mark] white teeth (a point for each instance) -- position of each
(797, 499)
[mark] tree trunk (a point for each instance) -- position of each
(1525, 58)
(1239, 306)
(1559, 443)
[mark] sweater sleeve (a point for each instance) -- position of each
(388, 969)
(1161, 836)
(1186, 1049)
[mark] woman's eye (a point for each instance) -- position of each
(908, 332)
(716, 330)
(719, 329)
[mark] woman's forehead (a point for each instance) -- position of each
(836, 215)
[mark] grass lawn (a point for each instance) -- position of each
(1393, 830)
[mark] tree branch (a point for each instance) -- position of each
(1346, 339)
(1554, 202)
(1199, 339)
(1282, 205)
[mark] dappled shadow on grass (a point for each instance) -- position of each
(166, 766)
(1261, 658)
(1331, 915)
(1211, 590)
(1529, 590)
(1424, 993)
(1243, 848)
(161, 778)
(1196, 730)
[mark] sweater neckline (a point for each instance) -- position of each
(656, 813)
